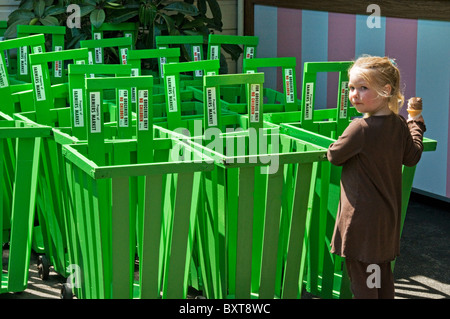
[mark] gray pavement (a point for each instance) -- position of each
(421, 272)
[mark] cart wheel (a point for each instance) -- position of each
(66, 291)
(43, 267)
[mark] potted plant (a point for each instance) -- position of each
(154, 17)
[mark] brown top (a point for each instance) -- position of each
(372, 151)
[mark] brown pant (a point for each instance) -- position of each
(380, 285)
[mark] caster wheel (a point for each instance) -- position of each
(66, 292)
(43, 267)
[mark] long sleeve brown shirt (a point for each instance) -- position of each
(371, 152)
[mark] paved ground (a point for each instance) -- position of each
(421, 272)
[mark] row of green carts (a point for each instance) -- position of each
(139, 185)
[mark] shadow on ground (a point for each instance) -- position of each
(421, 271)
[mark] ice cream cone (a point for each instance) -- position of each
(414, 113)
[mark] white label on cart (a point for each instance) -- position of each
(162, 61)
(94, 102)
(211, 73)
(250, 71)
(197, 57)
(5, 52)
(38, 82)
(58, 64)
(309, 91)
(6, 58)
(143, 110)
(255, 102)
(128, 35)
(197, 54)
(3, 76)
(214, 52)
(134, 72)
(344, 100)
(78, 119)
(90, 61)
(250, 53)
(211, 104)
(289, 81)
(98, 51)
(23, 52)
(171, 93)
(123, 108)
(37, 49)
(123, 55)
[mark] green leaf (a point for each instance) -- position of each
(113, 5)
(199, 22)
(131, 6)
(33, 21)
(97, 17)
(91, 2)
(201, 4)
(27, 5)
(150, 13)
(55, 10)
(86, 9)
(182, 7)
(39, 8)
(233, 49)
(48, 3)
(127, 15)
(211, 23)
(216, 12)
(11, 31)
(170, 24)
(75, 42)
(49, 20)
(20, 14)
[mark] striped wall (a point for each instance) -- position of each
(421, 49)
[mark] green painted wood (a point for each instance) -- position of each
(57, 34)
(294, 269)
(248, 44)
(174, 285)
(244, 233)
(7, 86)
(77, 92)
(271, 236)
(150, 272)
(122, 270)
(172, 86)
(22, 216)
(288, 65)
(191, 44)
(96, 46)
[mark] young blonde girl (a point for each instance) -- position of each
(371, 152)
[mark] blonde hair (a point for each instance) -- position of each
(378, 72)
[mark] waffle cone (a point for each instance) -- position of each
(414, 113)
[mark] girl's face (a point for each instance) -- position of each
(364, 97)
